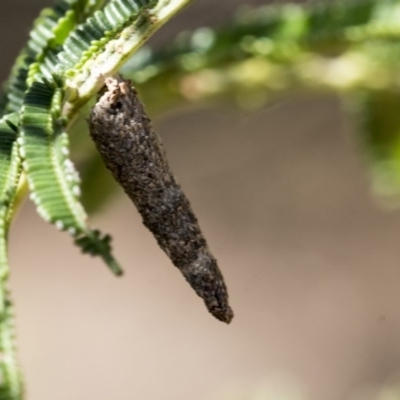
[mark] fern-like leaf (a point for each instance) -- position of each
(52, 179)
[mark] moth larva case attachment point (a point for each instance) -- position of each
(133, 152)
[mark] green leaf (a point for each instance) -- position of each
(52, 178)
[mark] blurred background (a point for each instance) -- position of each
(311, 260)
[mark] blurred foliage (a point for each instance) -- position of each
(349, 48)
(379, 124)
